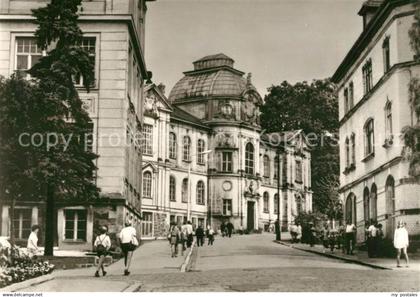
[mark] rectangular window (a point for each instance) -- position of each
(227, 162)
(75, 224)
(27, 53)
(147, 224)
(201, 222)
(276, 203)
(346, 101)
(353, 149)
(298, 171)
(284, 170)
(147, 139)
(265, 206)
(22, 221)
(386, 55)
(200, 150)
(276, 168)
(227, 207)
(351, 95)
(172, 218)
(89, 45)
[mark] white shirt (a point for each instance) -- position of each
(400, 238)
(104, 240)
(350, 228)
(127, 234)
(211, 231)
(187, 229)
(372, 230)
(33, 241)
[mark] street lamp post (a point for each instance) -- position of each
(189, 184)
(278, 225)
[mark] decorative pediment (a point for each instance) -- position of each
(155, 101)
(150, 166)
(225, 140)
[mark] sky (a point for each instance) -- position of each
(275, 40)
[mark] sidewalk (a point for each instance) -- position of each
(150, 258)
(360, 257)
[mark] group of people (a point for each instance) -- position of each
(296, 232)
(182, 237)
(344, 238)
(226, 229)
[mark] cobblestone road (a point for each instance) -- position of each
(241, 263)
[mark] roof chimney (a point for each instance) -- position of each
(368, 10)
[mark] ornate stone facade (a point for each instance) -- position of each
(210, 163)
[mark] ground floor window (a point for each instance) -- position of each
(22, 220)
(172, 219)
(227, 207)
(147, 224)
(75, 224)
(201, 222)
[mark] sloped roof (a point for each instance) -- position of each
(179, 114)
(220, 56)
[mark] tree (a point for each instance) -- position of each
(411, 134)
(314, 109)
(50, 107)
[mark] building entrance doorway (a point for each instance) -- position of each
(250, 215)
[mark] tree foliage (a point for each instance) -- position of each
(314, 109)
(411, 134)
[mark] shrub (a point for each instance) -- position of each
(16, 266)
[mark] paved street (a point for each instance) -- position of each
(241, 263)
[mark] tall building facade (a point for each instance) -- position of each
(114, 37)
(373, 82)
(206, 159)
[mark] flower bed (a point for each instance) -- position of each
(16, 266)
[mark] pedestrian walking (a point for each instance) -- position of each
(401, 242)
(379, 240)
(293, 232)
(182, 240)
(371, 239)
(312, 234)
(188, 230)
(102, 245)
(174, 238)
(210, 235)
(229, 227)
(350, 237)
(199, 233)
(341, 237)
(324, 236)
(223, 229)
(129, 242)
(32, 245)
(299, 232)
(332, 238)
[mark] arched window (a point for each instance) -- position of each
(172, 145)
(347, 154)
(249, 158)
(276, 203)
(200, 150)
(374, 202)
(298, 204)
(266, 206)
(200, 192)
(350, 209)
(390, 206)
(388, 120)
(366, 204)
(147, 184)
(369, 137)
(186, 155)
(266, 166)
(172, 188)
(184, 192)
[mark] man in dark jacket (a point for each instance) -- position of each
(199, 233)
(229, 227)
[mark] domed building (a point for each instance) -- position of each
(206, 159)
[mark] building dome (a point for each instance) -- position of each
(213, 76)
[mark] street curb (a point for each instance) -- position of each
(28, 283)
(187, 261)
(133, 288)
(354, 261)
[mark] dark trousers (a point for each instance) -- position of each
(200, 240)
(190, 239)
(371, 247)
(229, 232)
(350, 242)
(210, 240)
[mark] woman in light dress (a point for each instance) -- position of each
(401, 242)
(32, 246)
